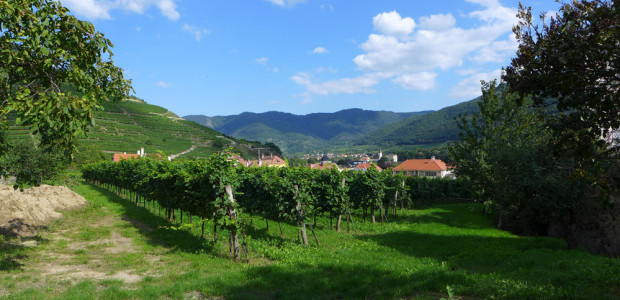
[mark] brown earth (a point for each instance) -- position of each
(23, 213)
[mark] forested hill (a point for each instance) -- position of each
(303, 133)
(431, 128)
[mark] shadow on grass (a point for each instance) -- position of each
(336, 282)
(13, 251)
(468, 216)
(155, 228)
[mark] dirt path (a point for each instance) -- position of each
(183, 153)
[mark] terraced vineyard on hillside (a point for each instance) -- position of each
(129, 125)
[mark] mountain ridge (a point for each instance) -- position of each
(303, 133)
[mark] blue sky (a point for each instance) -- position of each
(303, 56)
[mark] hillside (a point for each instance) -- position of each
(303, 133)
(432, 128)
(131, 124)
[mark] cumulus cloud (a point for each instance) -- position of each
(100, 9)
(319, 50)
(262, 60)
(196, 31)
(437, 22)
(392, 24)
(163, 84)
(286, 3)
(470, 87)
(416, 81)
(413, 53)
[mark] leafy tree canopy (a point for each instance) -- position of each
(573, 59)
(43, 51)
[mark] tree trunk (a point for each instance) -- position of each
(304, 236)
(214, 231)
(203, 228)
(245, 247)
(267, 222)
(338, 222)
(372, 214)
(314, 233)
(280, 225)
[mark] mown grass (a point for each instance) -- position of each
(417, 254)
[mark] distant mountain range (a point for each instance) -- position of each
(432, 128)
(351, 127)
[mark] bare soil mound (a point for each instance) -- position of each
(22, 213)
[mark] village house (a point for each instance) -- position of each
(116, 157)
(263, 161)
(365, 166)
(424, 168)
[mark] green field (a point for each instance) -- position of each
(113, 249)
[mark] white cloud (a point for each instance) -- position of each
(163, 84)
(262, 60)
(392, 24)
(360, 84)
(497, 51)
(100, 9)
(274, 102)
(91, 9)
(319, 50)
(437, 22)
(414, 53)
(196, 31)
(470, 87)
(286, 3)
(418, 81)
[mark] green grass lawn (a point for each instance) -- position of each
(113, 249)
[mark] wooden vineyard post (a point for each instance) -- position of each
(339, 221)
(234, 238)
(301, 224)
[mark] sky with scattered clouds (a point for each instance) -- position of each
(303, 56)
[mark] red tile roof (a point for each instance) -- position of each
(421, 165)
(272, 161)
(120, 156)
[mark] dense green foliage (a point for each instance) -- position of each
(572, 59)
(32, 166)
(303, 134)
(537, 169)
(501, 152)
